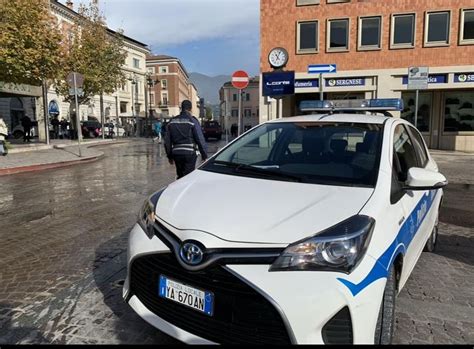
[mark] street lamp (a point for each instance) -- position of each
(150, 83)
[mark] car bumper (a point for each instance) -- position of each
(306, 301)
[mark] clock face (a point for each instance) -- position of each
(278, 57)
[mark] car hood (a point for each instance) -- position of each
(250, 210)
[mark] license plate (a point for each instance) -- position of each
(191, 297)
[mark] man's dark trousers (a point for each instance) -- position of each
(185, 164)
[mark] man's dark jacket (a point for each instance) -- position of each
(182, 136)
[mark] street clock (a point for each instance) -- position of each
(278, 57)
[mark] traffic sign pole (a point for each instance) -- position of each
(416, 108)
(240, 113)
(321, 93)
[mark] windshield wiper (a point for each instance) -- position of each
(258, 170)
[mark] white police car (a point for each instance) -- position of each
(318, 223)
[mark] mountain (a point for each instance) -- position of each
(208, 87)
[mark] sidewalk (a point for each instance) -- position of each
(60, 153)
(458, 167)
(55, 143)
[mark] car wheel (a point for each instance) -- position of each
(433, 240)
(386, 319)
(17, 134)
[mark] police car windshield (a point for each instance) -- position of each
(311, 152)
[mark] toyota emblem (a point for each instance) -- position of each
(191, 254)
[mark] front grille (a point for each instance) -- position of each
(338, 330)
(241, 315)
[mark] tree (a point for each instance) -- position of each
(29, 42)
(208, 112)
(93, 51)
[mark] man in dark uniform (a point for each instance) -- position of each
(26, 123)
(182, 136)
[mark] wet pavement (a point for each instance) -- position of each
(63, 249)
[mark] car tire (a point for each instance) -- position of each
(17, 134)
(386, 319)
(433, 239)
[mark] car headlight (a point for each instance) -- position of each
(339, 248)
(146, 217)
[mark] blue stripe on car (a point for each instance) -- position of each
(405, 236)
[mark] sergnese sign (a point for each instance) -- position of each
(345, 82)
(20, 89)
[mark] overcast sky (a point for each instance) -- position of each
(212, 37)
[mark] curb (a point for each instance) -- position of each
(40, 167)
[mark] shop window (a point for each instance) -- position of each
(437, 28)
(370, 33)
(403, 31)
(338, 35)
(467, 27)
(424, 109)
(308, 37)
(459, 111)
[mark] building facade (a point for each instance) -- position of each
(19, 100)
(129, 100)
(171, 86)
(373, 43)
(229, 102)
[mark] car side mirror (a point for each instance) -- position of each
(422, 179)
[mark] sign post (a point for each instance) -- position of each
(417, 80)
(76, 81)
(240, 81)
(321, 69)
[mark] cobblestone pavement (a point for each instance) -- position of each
(63, 251)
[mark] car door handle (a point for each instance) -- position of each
(400, 222)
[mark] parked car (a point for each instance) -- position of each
(17, 132)
(212, 129)
(329, 215)
(91, 129)
(112, 129)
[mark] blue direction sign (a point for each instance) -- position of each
(322, 68)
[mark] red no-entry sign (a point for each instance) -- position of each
(240, 80)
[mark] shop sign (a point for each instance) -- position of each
(20, 89)
(279, 83)
(432, 79)
(307, 83)
(53, 109)
(345, 82)
(465, 77)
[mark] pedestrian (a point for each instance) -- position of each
(157, 129)
(3, 134)
(63, 128)
(26, 123)
(233, 130)
(183, 135)
(55, 123)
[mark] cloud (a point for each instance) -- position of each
(165, 22)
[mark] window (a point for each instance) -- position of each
(306, 2)
(123, 107)
(338, 35)
(234, 97)
(164, 84)
(235, 112)
(437, 28)
(151, 70)
(136, 63)
(137, 90)
(247, 113)
(403, 31)
(247, 97)
(404, 153)
(164, 98)
(424, 109)
(459, 111)
(138, 108)
(370, 33)
(164, 69)
(419, 147)
(467, 27)
(337, 1)
(319, 153)
(152, 98)
(307, 37)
